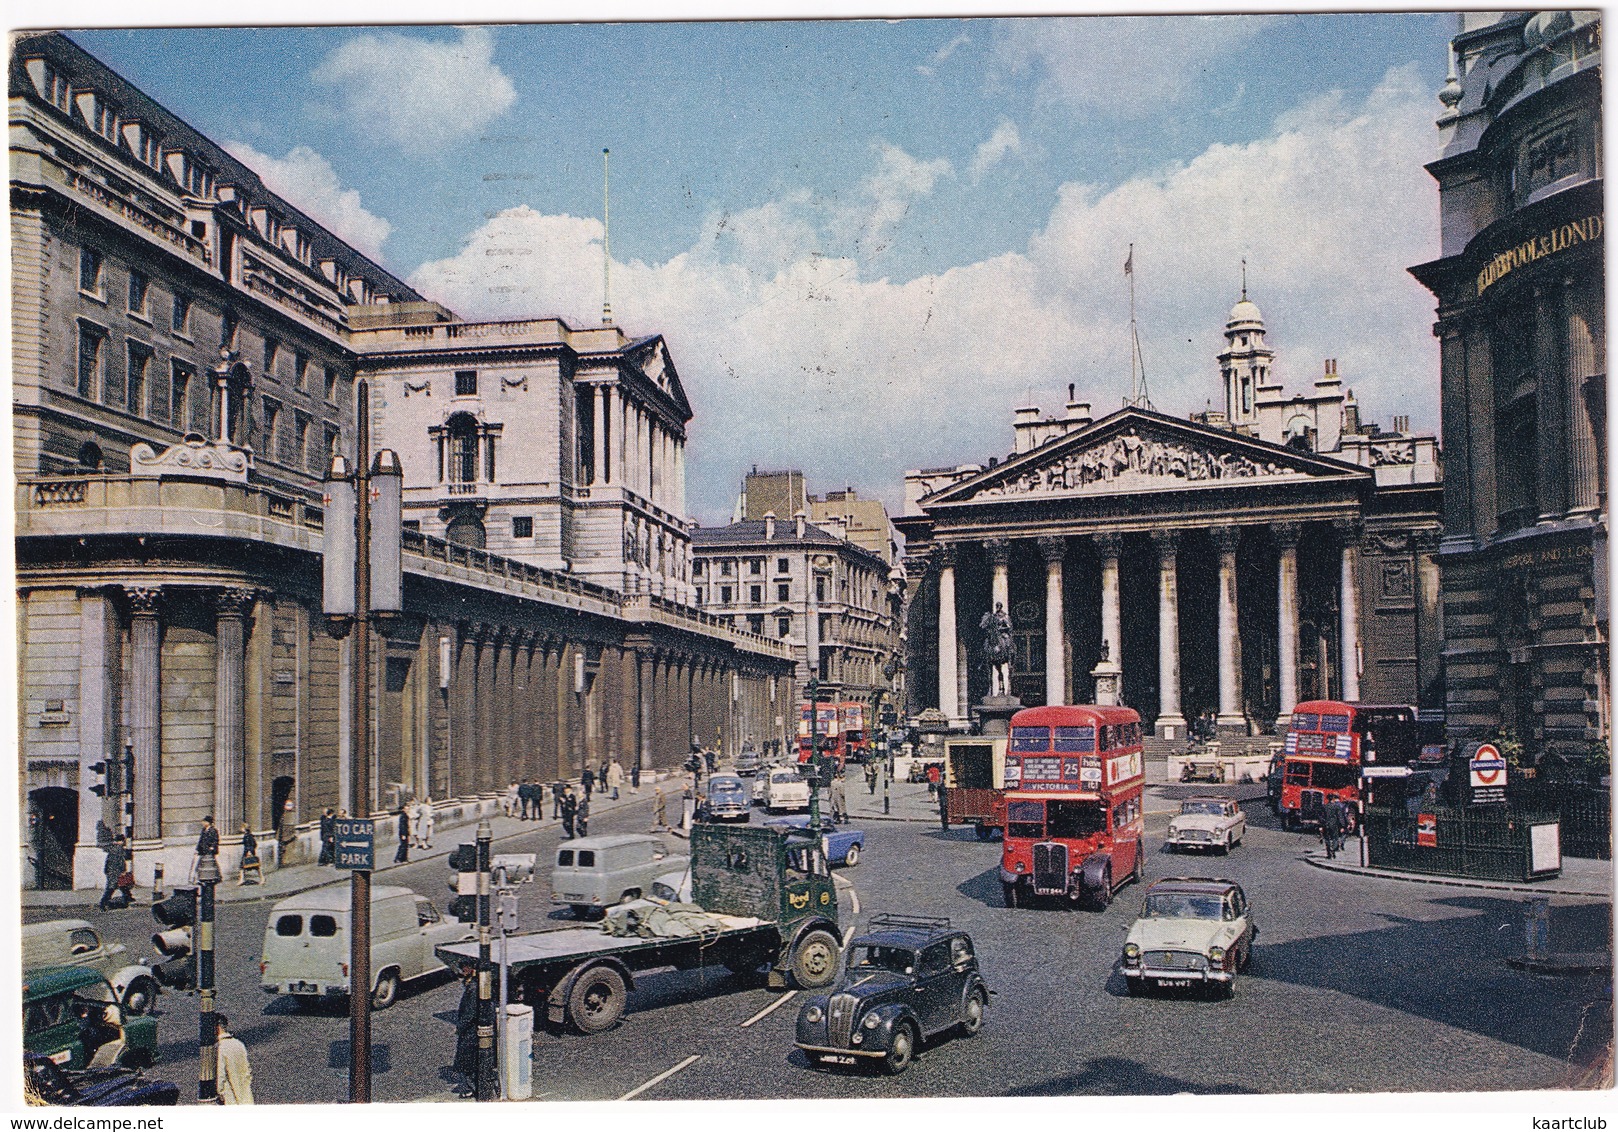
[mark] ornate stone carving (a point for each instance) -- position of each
(1226, 539)
(194, 456)
(1167, 542)
(1393, 452)
(1109, 544)
(144, 600)
(1426, 540)
(1396, 578)
(998, 550)
(945, 555)
(1388, 542)
(424, 387)
(1053, 547)
(234, 601)
(514, 381)
(1133, 460)
(1286, 535)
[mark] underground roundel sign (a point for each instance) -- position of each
(1488, 768)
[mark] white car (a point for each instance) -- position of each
(787, 790)
(1192, 932)
(1206, 823)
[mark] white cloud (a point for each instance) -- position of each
(1123, 67)
(886, 196)
(421, 93)
(943, 53)
(795, 356)
(307, 180)
(1002, 143)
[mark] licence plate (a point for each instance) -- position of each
(838, 1059)
(1174, 982)
(303, 988)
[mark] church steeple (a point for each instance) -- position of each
(1244, 362)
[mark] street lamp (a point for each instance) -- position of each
(207, 1026)
(816, 760)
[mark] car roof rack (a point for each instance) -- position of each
(896, 920)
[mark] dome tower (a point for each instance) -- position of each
(1244, 363)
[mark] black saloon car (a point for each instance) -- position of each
(48, 1083)
(906, 979)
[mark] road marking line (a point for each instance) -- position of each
(776, 1005)
(853, 893)
(663, 1076)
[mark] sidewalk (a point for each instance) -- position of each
(292, 879)
(1580, 877)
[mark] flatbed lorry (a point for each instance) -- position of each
(975, 783)
(771, 895)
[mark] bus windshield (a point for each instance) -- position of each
(1030, 738)
(1076, 819)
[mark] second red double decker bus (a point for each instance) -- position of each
(1072, 804)
(1329, 742)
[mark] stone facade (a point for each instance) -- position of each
(1520, 285)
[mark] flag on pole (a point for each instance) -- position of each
(1129, 264)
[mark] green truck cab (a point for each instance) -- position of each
(72, 1016)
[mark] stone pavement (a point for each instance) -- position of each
(1580, 877)
(297, 878)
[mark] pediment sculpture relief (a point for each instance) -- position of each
(1133, 460)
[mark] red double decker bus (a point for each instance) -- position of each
(1329, 742)
(841, 727)
(1072, 804)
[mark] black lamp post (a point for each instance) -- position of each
(207, 1025)
(816, 759)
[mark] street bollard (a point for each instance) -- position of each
(517, 1039)
(1537, 926)
(157, 881)
(887, 775)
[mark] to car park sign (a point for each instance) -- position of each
(356, 847)
(1488, 774)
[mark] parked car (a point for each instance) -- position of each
(725, 798)
(1192, 931)
(1206, 823)
(787, 790)
(906, 979)
(72, 1017)
(843, 846)
(78, 943)
(593, 873)
(761, 782)
(306, 943)
(45, 1082)
(673, 888)
(748, 762)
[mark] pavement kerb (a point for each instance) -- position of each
(1539, 889)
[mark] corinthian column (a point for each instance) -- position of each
(1230, 655)
(999, 552)
(1054, 548)
(948, 696)
(231, 607)
(1286, 540)
(1109, 545)
(1170, 722)
(145, 704)
(1348, 530)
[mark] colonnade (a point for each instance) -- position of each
(634, 448)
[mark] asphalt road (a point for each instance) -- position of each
(1357, 984)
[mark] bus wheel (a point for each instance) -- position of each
(1102, 897)
(1289, 821)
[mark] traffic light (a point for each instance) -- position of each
(463, 862)
(178, 913)
(103, 788)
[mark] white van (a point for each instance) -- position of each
(306, 943)
(787, 790)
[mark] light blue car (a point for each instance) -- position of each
(843, 845)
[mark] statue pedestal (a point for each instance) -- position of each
(994, 714)
(1109, 678)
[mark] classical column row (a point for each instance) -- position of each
(1109, 546)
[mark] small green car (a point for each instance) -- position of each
(72, 1016)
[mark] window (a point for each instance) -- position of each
(300, 369)
(935, 958)
(825, 626)
(179, 393)
(702, 595)
(755, 566)
(725, 595)
(92, 339)
(135, 386)
(783, 591)
(228, 331)
(180, 320)
(522, 526)
(104, 119)
(329, 449)
(138, 286)
(725, 568)
(300, 444)
(783, 627)
(272, 429)
(755, 594)
(272, 351)
(698, 568)
(151, 148)
(466, 383)
(331, 385)
(322, 926)
(755, 624)
(564, 858)
(782, 566)
(90, 269)
(463, 449)
(587, 858)
(820, 589)
(54, 89)
(289, 925)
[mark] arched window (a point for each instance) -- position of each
(466, 529)
(90, 456)
(462, 435)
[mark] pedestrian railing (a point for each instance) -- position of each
(1475, 842)
(1585, 812)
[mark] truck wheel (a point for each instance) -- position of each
(972, 1016)
(1009, 891)
(852, 857)
(901, 1050)
(387, 990)
(596, 1001)
(984, 832)
(140, 995)
(814, 962)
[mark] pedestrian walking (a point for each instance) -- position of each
(588, 780)
(870, 778)
(116, 865)
(207, 844)
(526, 799)
(556, 799)
(943, 807)
(427, 820)
(934, 776)
(466, 1030)
(1332, 824)
(581, 820)
(328, 837)
(615, 777)
(508, 804)
(402, 854)
(233, 1076)
(286, 830)
(250, 861)
(570, 810)
(634, 778)
(839, 801)
(660, 812)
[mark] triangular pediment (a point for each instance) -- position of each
(652, 358)
(1139, 451)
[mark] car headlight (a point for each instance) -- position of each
(813, 1014)
(1216, 955)
(871, 1022)
(1174, 831)
(1131, 951)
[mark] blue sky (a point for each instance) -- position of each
(867, 240)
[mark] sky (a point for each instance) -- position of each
(867, 241)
